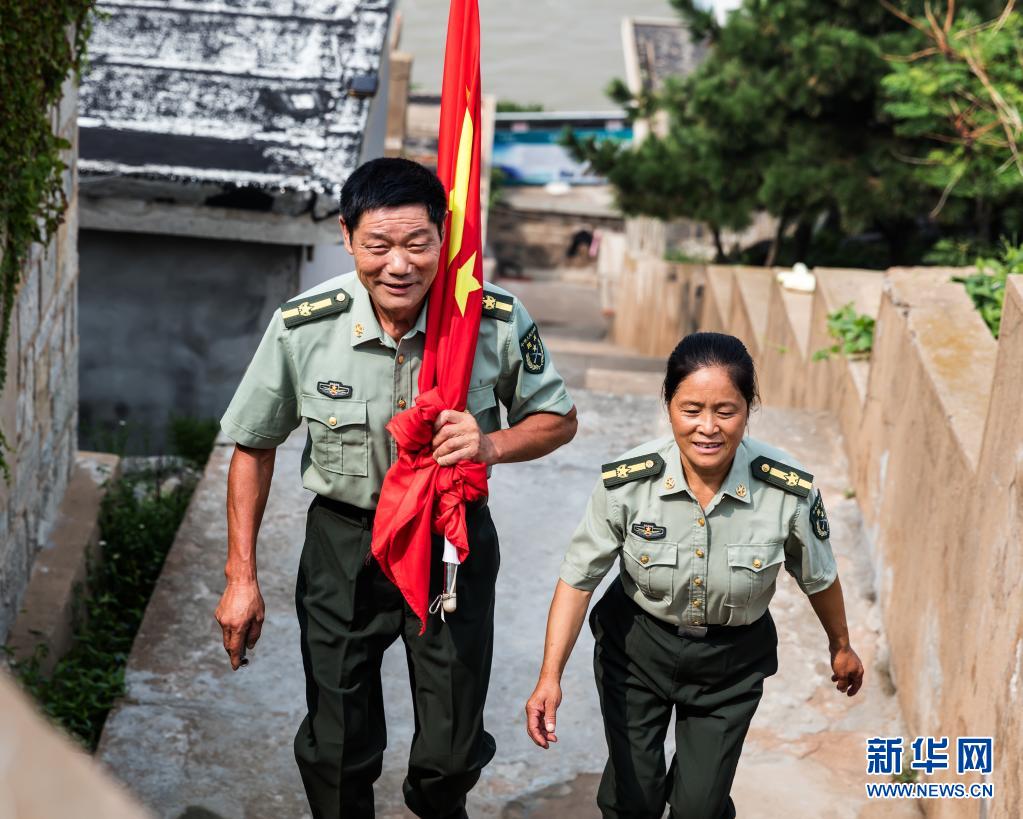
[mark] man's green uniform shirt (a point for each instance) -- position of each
(346, 378)
(690, 566)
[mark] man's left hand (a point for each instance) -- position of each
(848, 670)
(457, 437)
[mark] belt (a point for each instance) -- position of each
(694, 632)
(712, 630)
(356, 514)
(365, 517)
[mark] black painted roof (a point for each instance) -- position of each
(243, 93)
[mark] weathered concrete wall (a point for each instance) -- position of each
(168, 325)
(935, 448)
(531, 236)
(39, 402)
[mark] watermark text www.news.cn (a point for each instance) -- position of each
(929, 754)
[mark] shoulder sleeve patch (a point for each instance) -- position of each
(819, 518)
(496, 305)
(323, 304)
(534, 355)
(631, 469)
(783, 476)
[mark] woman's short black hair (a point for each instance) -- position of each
(699, 350)
(390, 182)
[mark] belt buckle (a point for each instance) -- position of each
(695, 632)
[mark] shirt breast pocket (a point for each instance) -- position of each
(752, 569)
(339, 434)
(482, 403)
(652, 564)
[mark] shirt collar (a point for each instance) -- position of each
(366, 326)
(735, 485)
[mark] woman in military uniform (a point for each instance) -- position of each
(701, 522)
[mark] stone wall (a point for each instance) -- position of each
(38, 407)
(931, 429)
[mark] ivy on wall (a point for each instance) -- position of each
(41, 42)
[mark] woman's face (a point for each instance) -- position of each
(708, 417)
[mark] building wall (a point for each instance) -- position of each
(168, 326)
(39, 402)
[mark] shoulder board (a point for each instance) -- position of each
(322, 304)
(783, 476)
(497, 305)
(631, 469)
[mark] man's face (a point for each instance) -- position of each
(397, 251)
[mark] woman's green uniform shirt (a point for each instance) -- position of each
(690, 566)
(346, 378)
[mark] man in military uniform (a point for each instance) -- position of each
(344, 357)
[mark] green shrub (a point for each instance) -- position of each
(853, 331)
(192, 438)
(137, 527)
(986, 287)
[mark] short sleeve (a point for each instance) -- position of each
(595, 544)
(808, 555)
(529, 383)
(265, 407)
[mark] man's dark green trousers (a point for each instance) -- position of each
(349, 613)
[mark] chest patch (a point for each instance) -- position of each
(334, 389)
(649, 531)
(819, 518)
(534, 356)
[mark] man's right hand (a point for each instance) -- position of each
(240, 614)
(542, 710)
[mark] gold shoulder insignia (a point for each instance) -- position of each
(497, 305)
(322, 304)
(783, 476)
(631, 469)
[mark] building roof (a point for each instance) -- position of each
(660, 49)
(266, 96)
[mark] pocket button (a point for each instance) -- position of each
(644, 559)
(757, 564)
(332, 421)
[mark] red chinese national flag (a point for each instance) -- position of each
(420, 498)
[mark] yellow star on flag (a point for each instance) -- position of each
(466, 283)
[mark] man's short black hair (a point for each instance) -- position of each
(391, 182)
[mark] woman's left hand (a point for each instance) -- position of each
(848, 670)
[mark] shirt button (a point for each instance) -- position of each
(644, 559)
(702, 522)
(401, 359)
(697, 604)
(757, 564)
(699, 552)
(698, 581)
(401, 403)
(332, 421)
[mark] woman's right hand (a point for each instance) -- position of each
(542, 711)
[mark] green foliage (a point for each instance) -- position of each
(986, 287)
(36, 55)
(498, 183)
(138, 522)
(955, 251)
(512, 107)
(192, 438)
(956, 92)
(853, 331)
(786, 115)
